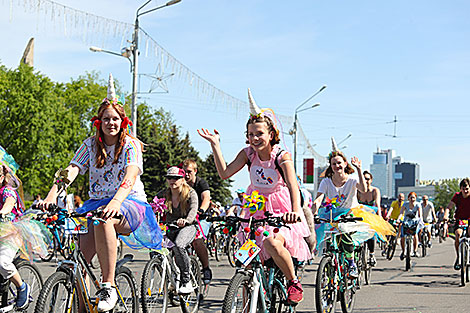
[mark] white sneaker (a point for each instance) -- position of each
(186, 288)
(108, 297)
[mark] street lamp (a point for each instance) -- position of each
(134, 50)
(346, 138)
(298, 110)
(135, 53)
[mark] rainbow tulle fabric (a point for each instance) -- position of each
(145, 231)
(27, 235)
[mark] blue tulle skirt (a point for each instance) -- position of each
(145, 231)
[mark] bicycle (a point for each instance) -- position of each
(442, 231)
(256, 288)
(409, 229)
(31, 275)
(60, 239)
(61, 290)
(464, 244)
(332, 280)
(364, 265)
(425, 240)
(161, 280)
(391, 245)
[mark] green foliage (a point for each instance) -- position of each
(219, 188)
(44, 123)
(444, 192)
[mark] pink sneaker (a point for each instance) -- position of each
(295, 293)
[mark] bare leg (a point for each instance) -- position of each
(281, 256)
(16, 279)
(201, 252)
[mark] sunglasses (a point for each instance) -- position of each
(173, 177)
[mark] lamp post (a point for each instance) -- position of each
(134, 49)
(135, 54)
(298, 110)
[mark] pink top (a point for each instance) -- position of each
(7, 192)
(268, 181)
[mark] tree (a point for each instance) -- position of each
(444, 192)
(219, 187)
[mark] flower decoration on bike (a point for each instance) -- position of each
(158, 205)
(333, 203)
(254, 202)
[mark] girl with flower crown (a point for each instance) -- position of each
(17, 231)
(280, 190)
(114, 160)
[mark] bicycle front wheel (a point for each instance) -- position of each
(347, 294)
(190, 302)
(391, 248)
(408, 253)
(57, 295)
(233, 246)
(30, 274)
(128, 300)
(325, 287)
(237, 298)
(154, 291)
(424, 243)
(463, 262)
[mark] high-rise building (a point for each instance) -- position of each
(382, 169)
(406, 175)
(390, 172)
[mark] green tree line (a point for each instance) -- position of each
(44, 122)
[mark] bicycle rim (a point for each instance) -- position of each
(30, 274)
(325, 287)
(237, 298)
(127, 287)
(190, 302)
(153, 291)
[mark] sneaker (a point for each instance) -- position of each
(22, 297)
(420, 244)
(353, 273)
(415, 254)
(429, 244)
(295, 293)
(372, 260)
(402, 256)
(457, 264)
(207, 275)
(186, 288)
(108, 297)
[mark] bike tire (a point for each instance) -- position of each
(233, 246)
(153, 299)
(56, 293)
(216, 248)
(441, 234)
(347, 295)
(325, 286)
(237, 297)
(408, 253)
(424, 243)
(127, 286)
(31, 275)
(66, 251)
(392, 245)
(463, 250)
(190, 303)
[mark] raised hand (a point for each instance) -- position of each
(214, 139)
(356, 162)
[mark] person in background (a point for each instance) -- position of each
(237, 203)
(204, 199)
(429, 216)
(370, 197)
(37, 199)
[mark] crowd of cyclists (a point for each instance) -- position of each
(177, 218)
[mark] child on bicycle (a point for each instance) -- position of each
(16, 233)
(412, 214)
(182, 205)
(264, 158)
(461, 202)
(114, 159)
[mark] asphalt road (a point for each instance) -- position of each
(430, 286)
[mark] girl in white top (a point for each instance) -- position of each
(411, 211)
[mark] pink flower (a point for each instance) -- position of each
(158, 205)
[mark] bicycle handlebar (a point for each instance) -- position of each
(342, 219)
(54, 209)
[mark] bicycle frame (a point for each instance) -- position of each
(337, 256)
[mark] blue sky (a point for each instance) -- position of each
(409, 59)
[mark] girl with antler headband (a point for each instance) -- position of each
(113, 158)
(272, 176)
